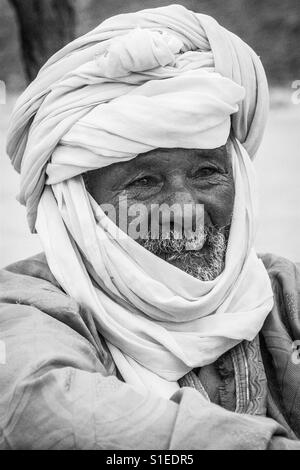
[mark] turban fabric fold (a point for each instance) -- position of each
(165, 77)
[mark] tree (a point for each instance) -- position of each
(45, 27)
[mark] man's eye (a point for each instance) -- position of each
(145, 181)
(206, 171)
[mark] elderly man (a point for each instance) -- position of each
(115, 341)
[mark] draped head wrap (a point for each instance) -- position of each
(164, 77)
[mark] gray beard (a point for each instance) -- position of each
(204, 264)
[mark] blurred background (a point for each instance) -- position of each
(32, 30)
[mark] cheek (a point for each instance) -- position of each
(126, 208)
(219, 204)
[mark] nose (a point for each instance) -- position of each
(180, 201)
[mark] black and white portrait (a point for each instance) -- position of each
(150, 226)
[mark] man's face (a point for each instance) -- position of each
(175, 176)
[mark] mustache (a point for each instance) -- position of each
(177, 243)
(204, 263)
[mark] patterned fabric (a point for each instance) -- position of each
(191, 379)
(243, 380)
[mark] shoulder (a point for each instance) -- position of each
(36, 266)
(285, 279)
(281, 335)
(30, 283)
(281, 269)
(30, 295)
(51, 360)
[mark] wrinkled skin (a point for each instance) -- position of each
(171, 176)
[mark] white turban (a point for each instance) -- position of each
(130, 58)
(165, 77)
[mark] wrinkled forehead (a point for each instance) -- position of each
(181, 157)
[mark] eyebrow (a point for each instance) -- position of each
(216, 152)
